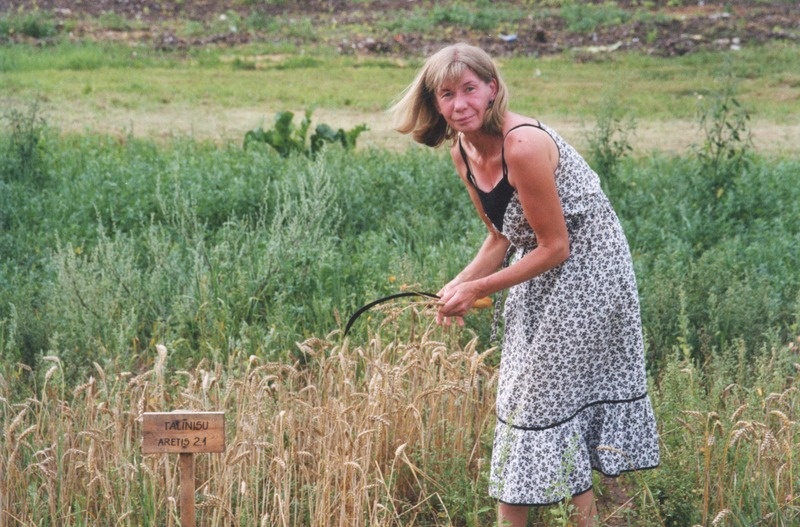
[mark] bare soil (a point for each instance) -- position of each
(679, 29)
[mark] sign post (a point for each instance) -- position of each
(185, 433)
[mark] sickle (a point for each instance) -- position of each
(384, 299)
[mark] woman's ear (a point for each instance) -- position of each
(493, 85)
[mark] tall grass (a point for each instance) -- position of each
(139, 276)
(731, 440)
(395, 431)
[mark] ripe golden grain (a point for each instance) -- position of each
(724, 513)
(738, 412)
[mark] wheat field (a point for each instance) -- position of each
(348, 436)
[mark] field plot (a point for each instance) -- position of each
(152, 262)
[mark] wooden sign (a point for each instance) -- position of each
(183, 432)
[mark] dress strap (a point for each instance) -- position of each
(503, 147)
(470, 176)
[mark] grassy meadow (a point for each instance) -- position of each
(144, 274)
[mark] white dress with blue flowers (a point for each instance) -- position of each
(572, 393)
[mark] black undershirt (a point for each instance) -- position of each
(495, 202)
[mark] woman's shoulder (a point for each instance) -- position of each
(514, 121)
(525, 137)
(521, 131)
(521, 126)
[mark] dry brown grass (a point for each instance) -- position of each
(347, 437)
(747, 455)
(672, 136)
(350, 435)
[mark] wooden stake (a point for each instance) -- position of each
(187, 490)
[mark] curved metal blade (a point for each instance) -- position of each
(374, 303)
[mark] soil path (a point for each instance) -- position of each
(230, 124)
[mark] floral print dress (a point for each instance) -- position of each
(572, 390)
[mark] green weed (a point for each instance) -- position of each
(24, 156)
(584, 17)
(609, 141)
(727, 141)
(286, 138)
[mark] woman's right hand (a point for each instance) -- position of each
(444, 294)
(455, 301)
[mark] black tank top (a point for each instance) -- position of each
(495, 202)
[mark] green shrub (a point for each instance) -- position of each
(287, 139)
(23, 146)
(727, 142)
(582, 17)
(609, 142)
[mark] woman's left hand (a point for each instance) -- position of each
(455, 302)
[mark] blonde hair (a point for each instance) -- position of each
(415, 112)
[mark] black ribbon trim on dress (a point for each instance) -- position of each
(574, 415)
(374, 303)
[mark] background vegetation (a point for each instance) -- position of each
(148, 275)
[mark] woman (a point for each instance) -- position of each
(572, 391)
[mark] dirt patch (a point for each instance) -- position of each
(663, 29)
(218, 124)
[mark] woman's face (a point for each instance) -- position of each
(464, 101)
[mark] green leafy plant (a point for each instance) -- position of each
(23, 149)
(564, 509)
(727, 144)
(286, 138)
(583, 17)
(609, 141)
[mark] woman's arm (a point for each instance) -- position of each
(532, 157)
(492, 251)
(488, 260)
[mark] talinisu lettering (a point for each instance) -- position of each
(185, 424)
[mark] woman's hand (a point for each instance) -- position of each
(455, 301)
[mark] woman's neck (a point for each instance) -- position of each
(484, 146)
